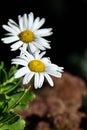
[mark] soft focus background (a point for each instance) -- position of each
(69, 22)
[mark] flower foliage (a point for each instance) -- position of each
(13, 97)
(31, 68)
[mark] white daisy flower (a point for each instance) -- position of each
(37, 67)
(27, 33)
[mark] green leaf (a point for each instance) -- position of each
(16, 104)
(28, 97)
(2, 97)
(15, 123)
(12, 71)
(1, 65)
(13, 96)
(13, 100)
(3, 75)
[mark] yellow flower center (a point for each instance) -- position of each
(26, 36)
(36, 66)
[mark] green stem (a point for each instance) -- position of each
(13, 88)
(8, 81)
(19, 99)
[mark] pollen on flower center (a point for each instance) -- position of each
(26, 36)
(36, 66)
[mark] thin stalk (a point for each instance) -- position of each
(19, 99)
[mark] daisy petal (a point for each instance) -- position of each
(10, 39)
(28, 55)
(43, 42)
(49, 79)
(38, 24)
(14, 27)
(25, 21)
(19, 62)
(21, 72)
(27, 78)
(41, 80)
(9, 29)
(30, 20)
(55, 74)
(32, 48)
(13, 22)
(36, 80)
(20, 23)
(35, 24)
(39, 46)
(16, 45)
(43, 32)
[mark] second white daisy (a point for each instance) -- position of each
(27, 33)
(37, 67)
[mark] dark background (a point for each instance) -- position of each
(68, 20)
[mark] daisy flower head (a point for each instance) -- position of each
(36, 67)
(27, 33)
